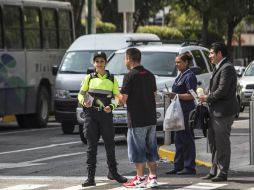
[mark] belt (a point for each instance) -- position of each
(97, 108)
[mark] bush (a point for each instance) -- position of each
(105, 27)
(164, 32)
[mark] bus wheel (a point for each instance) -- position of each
(81, 134)
(68, 128)
(40, 118)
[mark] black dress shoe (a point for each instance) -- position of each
(220, 178)
(88, 182)
(172, 171)
(116, 176)
(186, 172)
(208, 176)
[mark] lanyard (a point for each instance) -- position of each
(180, 77)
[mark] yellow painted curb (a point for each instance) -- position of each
(170, 156)
(9, 118)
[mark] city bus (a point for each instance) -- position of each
(34, 35)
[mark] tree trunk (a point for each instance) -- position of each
(205, 29)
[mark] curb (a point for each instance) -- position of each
(171, 154)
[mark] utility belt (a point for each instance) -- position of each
(97, 108)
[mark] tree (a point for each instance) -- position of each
(235, 15)
(77, 11)
(144, 9)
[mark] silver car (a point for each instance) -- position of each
(245, 86)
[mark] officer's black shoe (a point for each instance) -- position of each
(89, 182)
(116, 176)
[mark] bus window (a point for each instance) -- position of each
(12, 24)
(49, 29)
(32, 28)
(65, 29)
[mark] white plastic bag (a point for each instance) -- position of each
(174, 120)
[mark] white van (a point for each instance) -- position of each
(74, 65)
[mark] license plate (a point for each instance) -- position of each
(119, 118)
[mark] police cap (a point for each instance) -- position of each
(100, 54)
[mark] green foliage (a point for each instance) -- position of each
(164, 32)
(193, 34)
(188, 19)
(105, 27)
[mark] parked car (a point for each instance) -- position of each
(245, 86)
(239, 70)
(160, 60)
(77, 60)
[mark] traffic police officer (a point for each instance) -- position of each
(95, 96)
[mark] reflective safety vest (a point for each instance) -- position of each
(101, 88)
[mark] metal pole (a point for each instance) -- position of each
(89, 17)
(167, 134)
(251, 132)
(124, 22)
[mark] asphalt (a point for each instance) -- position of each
(240, 150)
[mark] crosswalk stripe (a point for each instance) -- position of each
(133, 188)
(78, 187)
(203, 186)
(24, 187)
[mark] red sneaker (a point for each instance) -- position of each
(136, 182)
(151, 182)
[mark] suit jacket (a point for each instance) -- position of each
(222, 97)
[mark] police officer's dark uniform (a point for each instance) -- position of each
(98, 122)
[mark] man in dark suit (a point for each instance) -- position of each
(223, 107)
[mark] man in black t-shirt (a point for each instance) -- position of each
(138, 92)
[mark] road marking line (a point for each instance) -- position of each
(138, 188)
(202, 186)
(54, 178)
(24, 187)
(27, 130)
(31, 162)
(79, 187)
(41, 147)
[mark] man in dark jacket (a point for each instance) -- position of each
(223, 107)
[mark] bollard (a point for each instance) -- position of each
(167, 134)
(251, 132)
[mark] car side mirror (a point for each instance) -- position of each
(196, 70)
(55, 69)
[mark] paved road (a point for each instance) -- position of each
(46, 159)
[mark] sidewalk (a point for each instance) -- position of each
(240, 149)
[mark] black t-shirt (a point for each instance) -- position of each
(139, 84)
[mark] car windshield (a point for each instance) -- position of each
(78, 61)
(159, 63)
(250, 70)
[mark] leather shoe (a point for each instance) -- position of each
(220, 178)
(186, 172)
(116, 176)
(208, 176)
(172, 171)
(89, 182)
